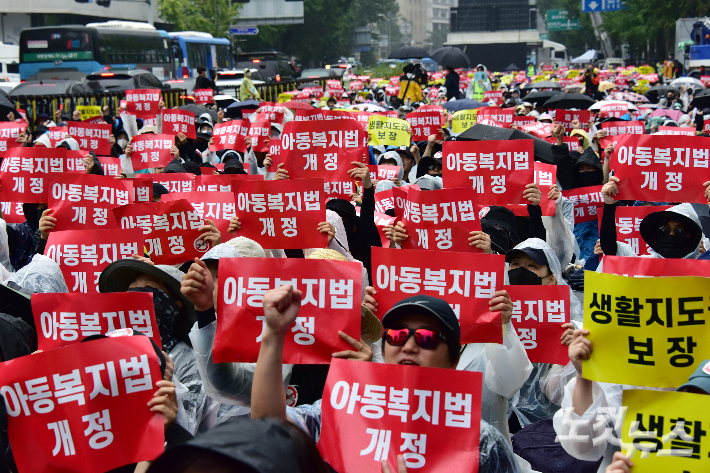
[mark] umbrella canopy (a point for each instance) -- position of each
(657, 91)
(628, 97)
(307, 85)
(569, 100)
(199, 110)
(480, 132)
(235, 109)
(544, 84)
(672, 114)
(409, 52)
(539, 98)
(463, 104)
(597, 106)
(573, 87)
(512, 67)
(606, 85)
(449, 56)
(6, 106)
(294, 105)
(689, 81)
(702, 100)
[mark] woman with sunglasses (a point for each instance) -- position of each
(419, 330)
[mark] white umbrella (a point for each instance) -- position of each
(690, 81)
(368, 107)
(573, 87)
(597, 106)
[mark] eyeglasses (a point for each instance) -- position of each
(677, 230)
(425, 338)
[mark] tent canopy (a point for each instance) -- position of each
(589, 56)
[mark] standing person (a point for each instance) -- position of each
(409, 86)
(668, 68)
(247, 91)
(202, 81)
(452, 84)
(591, 82)
(478, 87)
(530, 71)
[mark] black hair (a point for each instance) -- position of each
(201, 69)
(307, 455)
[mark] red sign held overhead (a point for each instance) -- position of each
(151, 151)
(175, 121)
(12, 212)
(218, 207)
(380, 172)
(111, 166)
(588, 203)
(503, 116)
(143, 102)
(566, 117)
(91, 137)
(231, 135)
(9, 132)
(425, 124)
(203, 96)
(222, 182)
(259, 135)
(676, 130)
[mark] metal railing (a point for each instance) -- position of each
(271, 92)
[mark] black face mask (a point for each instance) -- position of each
(167, 316)
(673, 246)
(588, 179)
(524, 277)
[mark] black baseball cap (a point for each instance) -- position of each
(159, 189)
(536, 254)
(439, 309)
(505, 218)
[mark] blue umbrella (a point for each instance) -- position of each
(463, 104)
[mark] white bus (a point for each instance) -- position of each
(9, 63)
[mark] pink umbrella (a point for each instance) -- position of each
(672, 114)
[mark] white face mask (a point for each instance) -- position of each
(122, 143)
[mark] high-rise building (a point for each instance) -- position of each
(426, 16)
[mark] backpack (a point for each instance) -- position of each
(536, 444)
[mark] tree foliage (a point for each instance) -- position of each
(210, 16)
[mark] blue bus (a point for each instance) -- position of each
(192, 49)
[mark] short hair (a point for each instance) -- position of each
(201, 69)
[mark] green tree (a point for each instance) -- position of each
(210, 16)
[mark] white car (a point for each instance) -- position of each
(228, 82)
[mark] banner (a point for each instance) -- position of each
(440, 219)
(9, 132)
(388, 131)
(628, 220)
(216, 206)
(142, 102)
(203, 96)
(653, 168)
(523, 120)
(654, 333)
(463, 120)
(73, 196)
(171, 229)
(566, 117)
(425, 124)
(545, 177)
(373, 412)
(259, 135)
(99, 121)
(538, 315)
(176, 121)
(539, 129)
(12, 212)
(384, 201)
(25, 172)
(83, 254)
(91, 137)
(65, 319)
(466, 281)
(706, 126)
(281, 214)
(572, 142)
(676, 130)
(588, 203)
(383, 172)
(230, 135)
(83, 408)
(151, 151)
(143, 187)
(89, 111)
(498, 169)
(655, 267)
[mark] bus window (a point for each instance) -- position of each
(196, 55)
(223, 56)
(61, 45)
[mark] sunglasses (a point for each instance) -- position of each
(678, 230)
(425, 338)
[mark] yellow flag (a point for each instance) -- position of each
(645, 331)
(388, 131)
(463, 120)
(89, 111)
(653, 438)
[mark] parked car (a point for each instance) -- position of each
(613, 63)
(228, 82)
(56, 87)
(187, 83)
(102, 81)
(272, 66)
(320, 73)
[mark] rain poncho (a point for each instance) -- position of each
(394, 156)
(5, 264)
(40, 276)
(475, 91)
(559, 228)
(496, 456)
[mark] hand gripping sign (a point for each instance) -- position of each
(566, 117)
(628, 221)
(151, 151)
(645, 331)
(171, 229)
(143, 102)
(25, 172)
(219, 207)
(331, 302)
(83, 254)
(176, 121)
(84, 201)
(466, 281)
(498, 169)
(91, 137)
(538, 313)
(666, 431)
(83, 408)
(588, 203)
(230, 135)
(655, 267)
(662, 168)
(281, 214)
(65, 319)
(440, 219)
(373, 412)
(9, 132)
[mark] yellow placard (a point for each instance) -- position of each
(506, 79)
(541, 78)
(653, 438)
(89, 111)
(285, 97)
(388, 131)
(572, 73)
(463, 120)
(645, 331)
(646, 70)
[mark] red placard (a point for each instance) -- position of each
(215, 206)
(433, 423)
(392, 91)
(271, 112)
(83, 254)
(332, 83)
(521, 78)
(230, 135)
(440, 219)
(676, 130)
(91, 137)
(504, 116)
(175, 181)
(111, 166)
(466, 281)
(25, 172)
(143, 102)
(355, 85)
(425, 124)
(203, 96)
(572, 142)
(151, 151)
(499, 170)
(613, 110)
(381, 221)
(588, 202)
(324, 150)
(84, 201)
(384, 171)
(394, 81)
(661, 168)
(706, 126)
(655, 267)
(384, 201)
(494, 96)
(9, 132)
(57, 134)
(171, 229)
(65, 319)
(260, 133)
(566, 117)
(87, 406)
(524, 120)
(176, 121)
(627, 221)
(142, 188)
(12, 212)
(538, 313)
(564, 82)
(222, 182)
(331, 302)
(539, 129)
(705, 80)
(623, 128)
(621, 79)
(99, 120)
(281, 214)
(545, 177)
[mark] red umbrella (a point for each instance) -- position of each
(294, 105)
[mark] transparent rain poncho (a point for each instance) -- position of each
(5, 264)
(42, 275)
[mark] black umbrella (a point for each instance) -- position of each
(480, 132)
(657, 91)
(567, 101)
(702, 100)
(542, 96)
(6, 106)
(463, 104)
(449, 56)
(235, 110)
(307, 85)
(512, 67)
(544, 84)
(409, 52)
(199, 110)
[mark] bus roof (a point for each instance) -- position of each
(196, 34)
(132, 25)
(553, 45)
(199, 39)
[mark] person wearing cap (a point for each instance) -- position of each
(392, 158)
(247, 91)
(419, 330)
(545, 118)
(331, 103)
